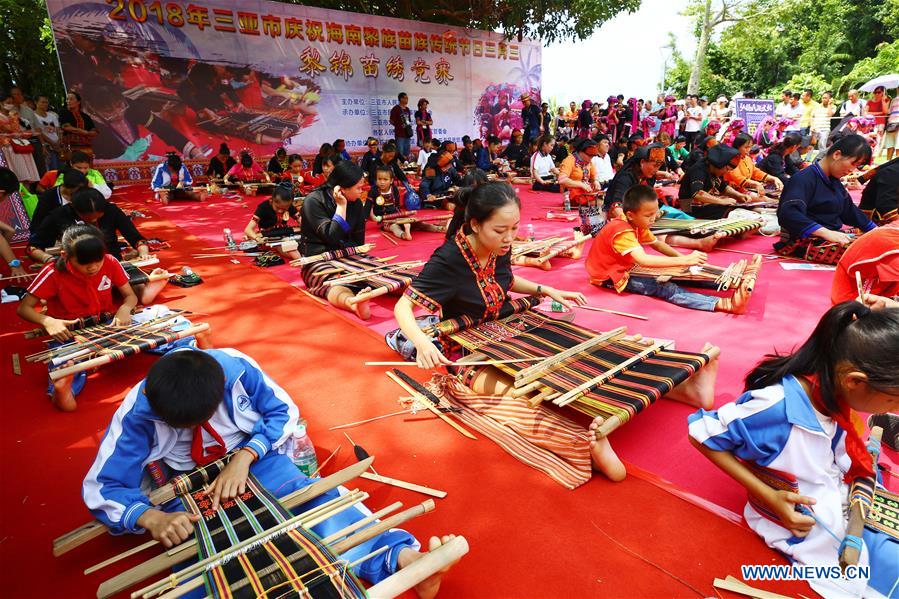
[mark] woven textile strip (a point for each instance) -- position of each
(291, 564)
(730, 227)
(705, 274)
(202, 475)
(532, 335)
(537, 437)
(812, 249)
(117, 343)
(884, 514)
(780, 481)
(454, 325)
(135, 275)
(316, 275)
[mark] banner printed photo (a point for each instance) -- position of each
(186, 76)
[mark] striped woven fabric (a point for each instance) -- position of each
(317, 275)
(730, 227)
(291, 564)
(116, 343)
(454, 325)
(780, 481)
(537, 437)
(200, 476)
(136, 276)
(884, 513)
(530, 335)
(812, 249)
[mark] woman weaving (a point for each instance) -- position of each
(814, 205)
(471, 276)
(333, 218)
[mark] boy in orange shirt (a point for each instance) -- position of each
(618, 247)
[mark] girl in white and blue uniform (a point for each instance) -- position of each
(794, 423)
(172, 180)
(179, 416)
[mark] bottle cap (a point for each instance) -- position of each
(300, 430)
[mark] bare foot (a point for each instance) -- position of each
(361, 308)
(152, 289)
(63, 398)
(736, 304)
(699, 390)
(535, 262)
(428, 588)
(604, 458)
(709, 241)
(407, 231)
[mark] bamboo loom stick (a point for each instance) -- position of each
(16, 365)
(389, 237)
(151, 590)
(167, 560)
(736, 586)
(849, 556)
(94, 529)
(608, 311)
(368, 295)
(305, 260)
(423, 397)
(459, 363)
(434, 561)
(532, 373)
(375, 271)
(367, 420)
(403, 484)
(107, 358)
(28, 276)
(592, 384)
(345, 545)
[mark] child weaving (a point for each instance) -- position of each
(77, 285)
(619, 246)
(385, 198)
(795, 420)
(233, 404)
(273, 217)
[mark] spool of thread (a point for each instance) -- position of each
(556, 307)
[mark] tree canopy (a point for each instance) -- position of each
(767, 45)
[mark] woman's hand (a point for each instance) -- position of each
(58, 329)
(565, 297)
(878, 302)
(778, 184)
(427, 355)
(169, 529)
(339, 198)
(232, 481)
(783, 503)
(18, 274)
(834, 236)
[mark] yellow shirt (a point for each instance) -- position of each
(808, 110)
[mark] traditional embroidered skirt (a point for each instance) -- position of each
(812, 249)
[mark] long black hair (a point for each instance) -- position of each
(852, 146)
(345, 174)
(848, 333)
(740, 140)
(478, 203)
(788, 141)
(472, 178)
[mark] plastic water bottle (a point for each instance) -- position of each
(530, 230)
(566, 200)
(229, 240)
(303, 451)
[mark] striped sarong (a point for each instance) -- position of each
(539, 437)
(291, 564)
(317, 274)
(811, 249)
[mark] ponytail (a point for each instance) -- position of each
(847, 333)
(472, 179)
(84, 243)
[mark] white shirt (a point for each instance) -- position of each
(541, 165)
(782, 109)
(602, 166)
(48, 125)
(794, 113)
(856, 108)
(693, 125)
(423, 159)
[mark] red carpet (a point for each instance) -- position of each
(529, 536)
(783, 310)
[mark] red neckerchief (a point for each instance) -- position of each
(201, 455)
(862, 463)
